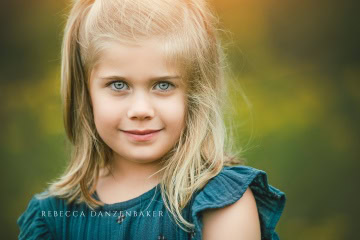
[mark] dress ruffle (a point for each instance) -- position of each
(31, 223)
(229, 186)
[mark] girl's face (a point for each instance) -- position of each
(138, 101)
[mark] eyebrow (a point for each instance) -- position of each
(114, 77)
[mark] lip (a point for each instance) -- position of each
(142, 132)
(142, 135)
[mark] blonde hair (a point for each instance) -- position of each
(188, 32)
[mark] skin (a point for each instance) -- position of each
(136, 99)
(239, 220)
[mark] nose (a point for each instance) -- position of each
(140, 107)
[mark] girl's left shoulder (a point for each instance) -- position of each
(230, 185)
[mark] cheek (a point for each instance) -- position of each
(173, 112)
(105, 112)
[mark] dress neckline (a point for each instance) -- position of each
(131, 202)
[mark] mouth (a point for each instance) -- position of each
(142, 132)
(142, 135)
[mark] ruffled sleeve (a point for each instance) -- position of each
(229, 186)
(32, 225)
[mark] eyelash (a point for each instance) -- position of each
(118, 90)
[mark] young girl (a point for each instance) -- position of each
(142, 90)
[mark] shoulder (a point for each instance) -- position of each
(45, 202)
(239, 189)
(239, 220)
(33, 222)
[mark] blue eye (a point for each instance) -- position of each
(118, 85)
(121, 86)
(163, 86)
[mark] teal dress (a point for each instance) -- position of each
(145, 217)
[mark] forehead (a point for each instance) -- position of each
(147, 57)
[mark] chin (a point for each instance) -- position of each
(142, 157)
(145, 160)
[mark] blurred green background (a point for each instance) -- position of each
(298, 64)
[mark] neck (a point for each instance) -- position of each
(134, 173)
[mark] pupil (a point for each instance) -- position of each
(163, 85)
(119, 85)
